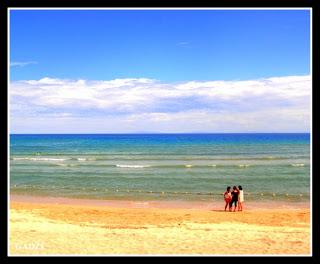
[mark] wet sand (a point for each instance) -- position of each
(60, 226)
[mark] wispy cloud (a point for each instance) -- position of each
(183, 44)
(22, 64)
(128, 105)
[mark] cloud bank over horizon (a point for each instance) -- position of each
(49, 105)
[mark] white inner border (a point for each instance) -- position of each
(147, 8)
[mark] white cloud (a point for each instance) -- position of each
(127, 105)
(183, 44)
(21, 64)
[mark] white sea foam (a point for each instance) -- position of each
(244, 165)
(65, 165)
(40, 159)
(297, 164)
(189, 166)
(132, 166)
(82, 159)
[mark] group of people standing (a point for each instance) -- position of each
(235, 197)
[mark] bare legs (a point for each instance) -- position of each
(235, 207)
(238, 206)
(228, 204)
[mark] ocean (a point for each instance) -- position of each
(186, 167)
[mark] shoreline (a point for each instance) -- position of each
(173, 204)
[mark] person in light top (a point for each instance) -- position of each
(241, 198)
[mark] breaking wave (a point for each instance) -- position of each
(297, 165)
(41, 159)
(132, 166)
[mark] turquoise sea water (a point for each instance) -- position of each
(161, 166)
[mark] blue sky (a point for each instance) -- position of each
(167, 45)
(88, 58)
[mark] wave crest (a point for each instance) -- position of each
(244, 165)
(132, 166)
(41, 159)
(297, 164)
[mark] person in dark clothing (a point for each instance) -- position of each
(235, 197)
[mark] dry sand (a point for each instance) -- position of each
(76, 227)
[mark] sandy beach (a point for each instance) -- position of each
(53, 226)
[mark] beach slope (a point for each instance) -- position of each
(88, 229)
